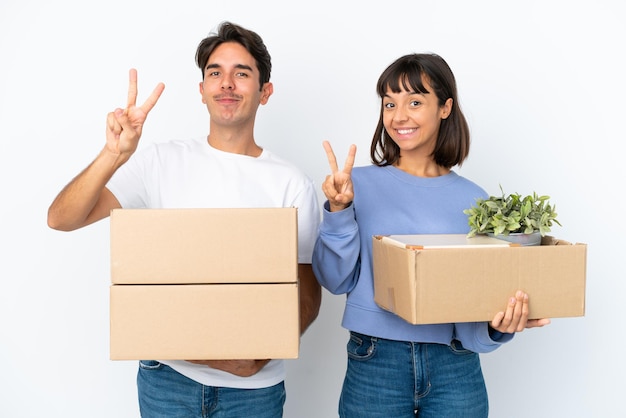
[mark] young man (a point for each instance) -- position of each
(227, 168)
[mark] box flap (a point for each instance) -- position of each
(425, 241)
(394, 269)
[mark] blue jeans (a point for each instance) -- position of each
(165, 393)
(402, 379)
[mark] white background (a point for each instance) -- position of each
(541, 83)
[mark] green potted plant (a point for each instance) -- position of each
(512, 217)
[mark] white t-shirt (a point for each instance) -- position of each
(192, 174)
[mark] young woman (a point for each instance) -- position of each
(396, 369)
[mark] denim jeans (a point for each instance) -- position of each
(165, 393)
(402, 379)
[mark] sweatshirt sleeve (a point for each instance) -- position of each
(336, 255)
(475, 337)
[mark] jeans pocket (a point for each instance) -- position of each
(361, 347)
(457, 348)
(149, 365)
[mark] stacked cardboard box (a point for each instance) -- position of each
(194, 284)
(429, 279)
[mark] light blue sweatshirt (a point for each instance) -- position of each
(389, 201)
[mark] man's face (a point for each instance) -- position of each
(230, 88)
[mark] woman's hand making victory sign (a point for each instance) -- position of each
(338, 185)
(124, 126)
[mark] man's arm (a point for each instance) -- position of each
(310, 296)
(85, 199)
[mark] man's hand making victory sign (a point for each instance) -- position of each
(124, 126)
(338, 185)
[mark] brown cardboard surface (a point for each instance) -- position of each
(456, 284)
(181, 246)
(202, 322)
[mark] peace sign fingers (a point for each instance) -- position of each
(332, 160)
(124, 126)
(131, 101)
(338, 185)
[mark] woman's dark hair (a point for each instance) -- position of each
(409, 73)
(230, 32)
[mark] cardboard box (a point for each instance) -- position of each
(199, 284)
(182, 246)
(213, 321)
(467, 283)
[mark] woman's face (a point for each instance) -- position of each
(412, 119)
